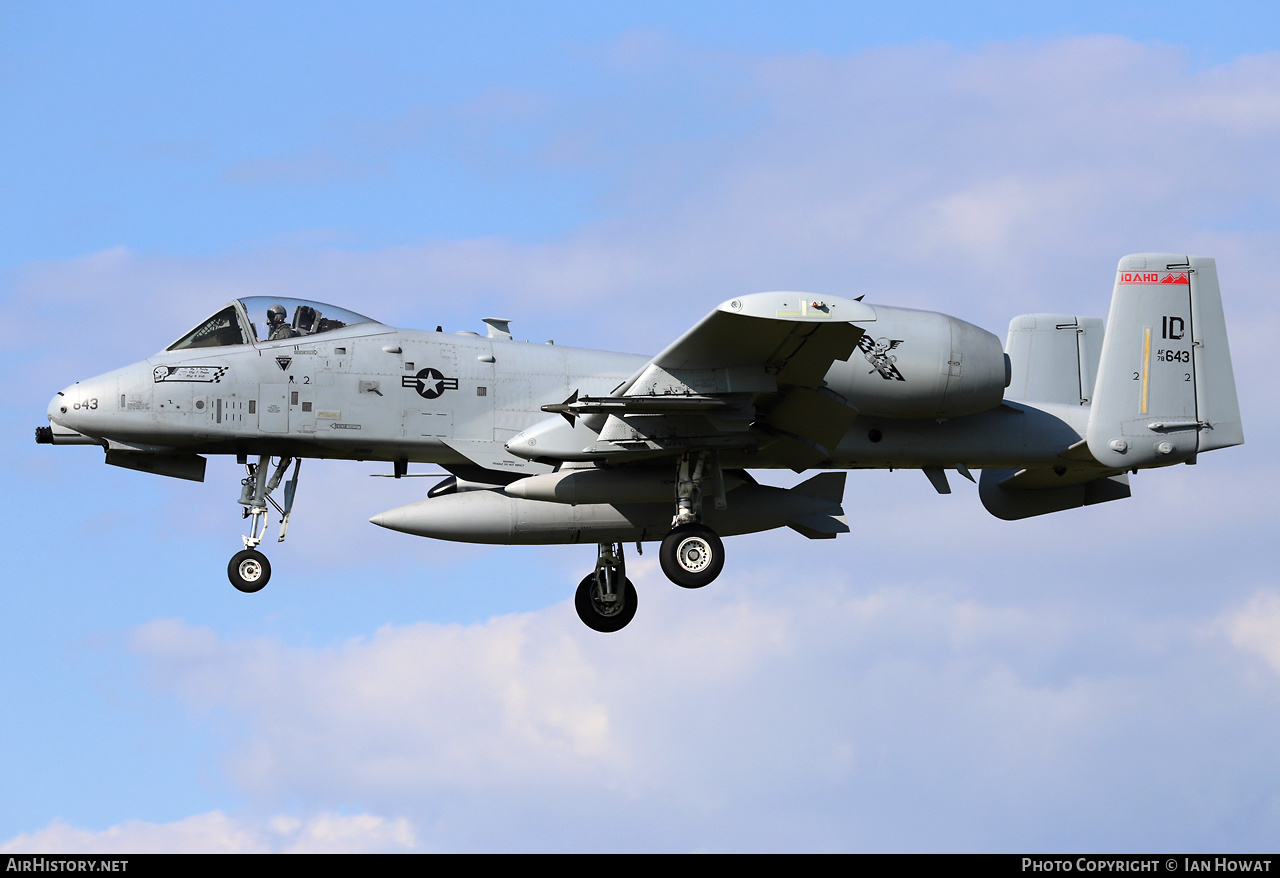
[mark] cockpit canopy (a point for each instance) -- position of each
(239, 322)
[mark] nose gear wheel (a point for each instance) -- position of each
(606, 599)
(249, 570)
(600, 615)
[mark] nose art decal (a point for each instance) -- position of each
(196, 374)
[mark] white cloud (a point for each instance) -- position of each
(446, 704)
(1255, 627)
(1240, 96)
(764, 716)
(977, 182)
(218, 833)
(832, 698)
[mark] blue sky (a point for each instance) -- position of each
(1104, 679)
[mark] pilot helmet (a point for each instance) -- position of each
(275, 315)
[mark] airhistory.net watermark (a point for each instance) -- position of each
(64, 864)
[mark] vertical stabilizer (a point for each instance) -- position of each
(1217, 405)
(1165, 387)
(1053, 358)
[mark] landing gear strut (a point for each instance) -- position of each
(606, 599)
(249, 570)
(692, 555)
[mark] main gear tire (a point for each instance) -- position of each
(599, 615)
(249, 571)
(692, 555)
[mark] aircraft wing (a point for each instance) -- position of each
(755, 344)
(749, 374)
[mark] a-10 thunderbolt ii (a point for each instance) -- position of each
(551, 444)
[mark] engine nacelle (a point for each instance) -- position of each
(921, 364)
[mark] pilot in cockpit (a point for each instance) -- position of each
(277, 324)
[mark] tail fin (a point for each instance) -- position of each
(1053, 358)
(1165, 387)
(1216, 402)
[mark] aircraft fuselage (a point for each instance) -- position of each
(371, 392)
(552, 444)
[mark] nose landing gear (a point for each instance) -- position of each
(606, 599)
(249, 571)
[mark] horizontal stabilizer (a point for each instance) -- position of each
(1043, 478)
(1011, 495)
(1078, 451)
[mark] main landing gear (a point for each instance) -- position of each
(249, 570)
(691, 556)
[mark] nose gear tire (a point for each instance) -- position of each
(692, 555)
(249, 570)
(599, 616)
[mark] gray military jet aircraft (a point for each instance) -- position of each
(548, 444)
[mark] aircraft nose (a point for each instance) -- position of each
(85, 406)
(59, 408)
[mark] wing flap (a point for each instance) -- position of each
(804, 359)
(820, 416)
